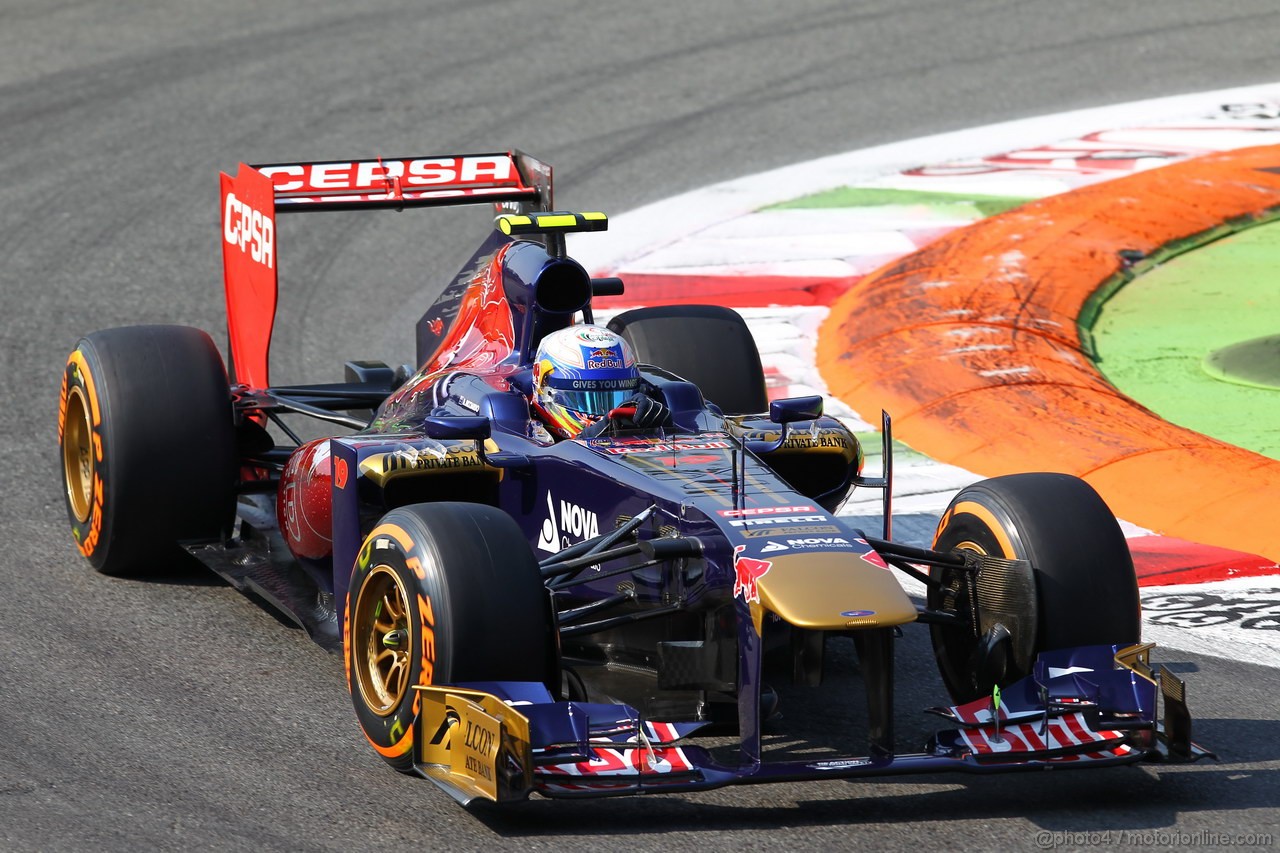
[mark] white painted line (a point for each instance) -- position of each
(663, 222)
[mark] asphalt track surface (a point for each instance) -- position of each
(176, 713)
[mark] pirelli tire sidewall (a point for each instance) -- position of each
(416, 566)
(1086, 587)
(477, 611)
(156, 403)
(76, 412)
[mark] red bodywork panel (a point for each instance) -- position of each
(249, 271)
(481, 337)
(304, 510)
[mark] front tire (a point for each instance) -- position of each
(441, 593)
(147, 445)
(1086, 588)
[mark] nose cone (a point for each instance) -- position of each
(834, 590)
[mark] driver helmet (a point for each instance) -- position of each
(579, 375)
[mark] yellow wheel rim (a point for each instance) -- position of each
(381, 641)
(77, 455)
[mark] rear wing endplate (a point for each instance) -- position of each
(514, 182)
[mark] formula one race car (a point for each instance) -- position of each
(518, 613)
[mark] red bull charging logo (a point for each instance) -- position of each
(748, 570)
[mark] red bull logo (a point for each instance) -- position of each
(748, 570)
(872, 557)
(603, 358)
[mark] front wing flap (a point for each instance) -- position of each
(1072, 697)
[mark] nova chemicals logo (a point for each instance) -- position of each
(573, 524)
(811, 542)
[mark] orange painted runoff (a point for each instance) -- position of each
(971, 343)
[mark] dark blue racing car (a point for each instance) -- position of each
(559, 552)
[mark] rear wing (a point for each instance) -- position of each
(513, 182)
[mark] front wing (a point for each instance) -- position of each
(1089, 707)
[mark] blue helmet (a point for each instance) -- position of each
(579, 375)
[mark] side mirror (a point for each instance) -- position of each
(452, 429)
(794, 409)
(785, 412)
(479, 429)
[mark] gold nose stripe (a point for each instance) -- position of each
(814, 590)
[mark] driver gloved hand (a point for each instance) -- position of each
(648, 411)
(639, 412)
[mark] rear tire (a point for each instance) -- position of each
(148, 445)
(708, 345)
(441, 593)
(1086, 588)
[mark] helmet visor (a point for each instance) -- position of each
(591, 404)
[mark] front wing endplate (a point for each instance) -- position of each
(473, 745)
